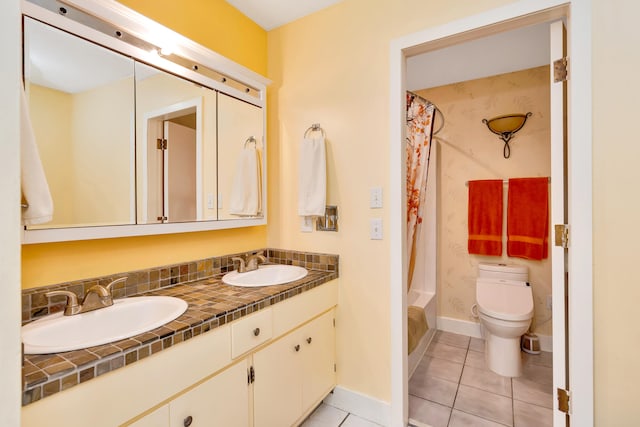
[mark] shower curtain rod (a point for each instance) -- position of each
(437, 110)
(504, 182)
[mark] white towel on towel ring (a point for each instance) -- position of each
(246, 191)
(312, 174)
(35, 188)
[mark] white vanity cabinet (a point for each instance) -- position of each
(294, 373)
(208, 377)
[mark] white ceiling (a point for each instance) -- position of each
(270, 14)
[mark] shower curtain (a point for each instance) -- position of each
(420, 116)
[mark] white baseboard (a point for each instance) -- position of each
(473, 329)
(361, 405)
(457, 326)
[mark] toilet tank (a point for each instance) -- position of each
(503, 271)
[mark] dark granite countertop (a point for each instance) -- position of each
(211, 304)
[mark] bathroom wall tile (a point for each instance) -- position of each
(486, 380)
(462, 419)
(455, 340)
(439, 368)
(527, 415)
(484, 404)
(448, 352)
(433, 389)
(428, 413)
(476, 360)
(532, 392)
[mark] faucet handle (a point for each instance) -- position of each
(109, 287)
(72, 301)
(241, 267)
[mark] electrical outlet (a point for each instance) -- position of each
(210, 200)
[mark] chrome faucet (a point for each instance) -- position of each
(250, 264)
(97, 297)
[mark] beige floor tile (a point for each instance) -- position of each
(325, 415)
(545, 358)
(476, 344)
(354, 421)
(427, 412)
(532, 392)
(462, 419)
(475, 359)
(483, 404)
(452, 339)
(447, 352)
(486, 380)
(439, 368)
(538, 373)
(433, 389)
(527, 415)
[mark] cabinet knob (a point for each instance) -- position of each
(187, 421)
(297, 347)
(256, 331)
(309, 340)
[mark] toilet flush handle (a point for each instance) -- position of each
(474, 311)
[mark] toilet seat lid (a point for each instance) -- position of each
(506, 299)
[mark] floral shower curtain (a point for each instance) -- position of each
(420, 116)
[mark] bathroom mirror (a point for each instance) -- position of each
(176, 148)
(136, 140)
(81, 99)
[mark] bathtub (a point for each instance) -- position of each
(427, 301)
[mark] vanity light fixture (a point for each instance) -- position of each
(505, 127)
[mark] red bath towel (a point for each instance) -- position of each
(485, 217)
(528, 218)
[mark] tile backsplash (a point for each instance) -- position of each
(35, 304)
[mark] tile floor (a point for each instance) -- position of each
(452, 388)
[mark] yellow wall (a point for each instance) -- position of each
(218, 26)
(468, 151)
(332, 68)
(213, 23)
(616, 209)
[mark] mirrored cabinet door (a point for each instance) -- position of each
(176, 151)
(241, 150)
(81, 99)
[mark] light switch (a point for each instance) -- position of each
(375, 228)
(375, 197)
(306, 224)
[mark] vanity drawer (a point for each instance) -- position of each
(251, 331)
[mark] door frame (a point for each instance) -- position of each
(579, 175)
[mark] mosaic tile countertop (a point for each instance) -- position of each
(211, 304)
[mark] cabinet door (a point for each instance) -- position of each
(277, 399)
(158, 418)
(221, 401)
(318, 356)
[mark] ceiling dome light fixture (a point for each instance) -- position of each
(505, 127)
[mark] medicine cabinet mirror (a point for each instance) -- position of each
(132, 142)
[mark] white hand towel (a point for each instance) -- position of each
(246, 190)
(312, 174)
(35, 188)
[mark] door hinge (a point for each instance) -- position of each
(562, 235)
(560, 73)
(334, 322)
(162, 144)
(335, 368)
(251, 375)
(564, 400)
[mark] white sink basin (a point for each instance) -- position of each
(265, 275)
(125, 318)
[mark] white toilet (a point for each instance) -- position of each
(505, 307)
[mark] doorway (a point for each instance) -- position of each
(518, 15)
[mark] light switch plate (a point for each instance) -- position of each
(375, 228)
(375, 197)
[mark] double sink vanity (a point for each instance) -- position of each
(238, 355)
